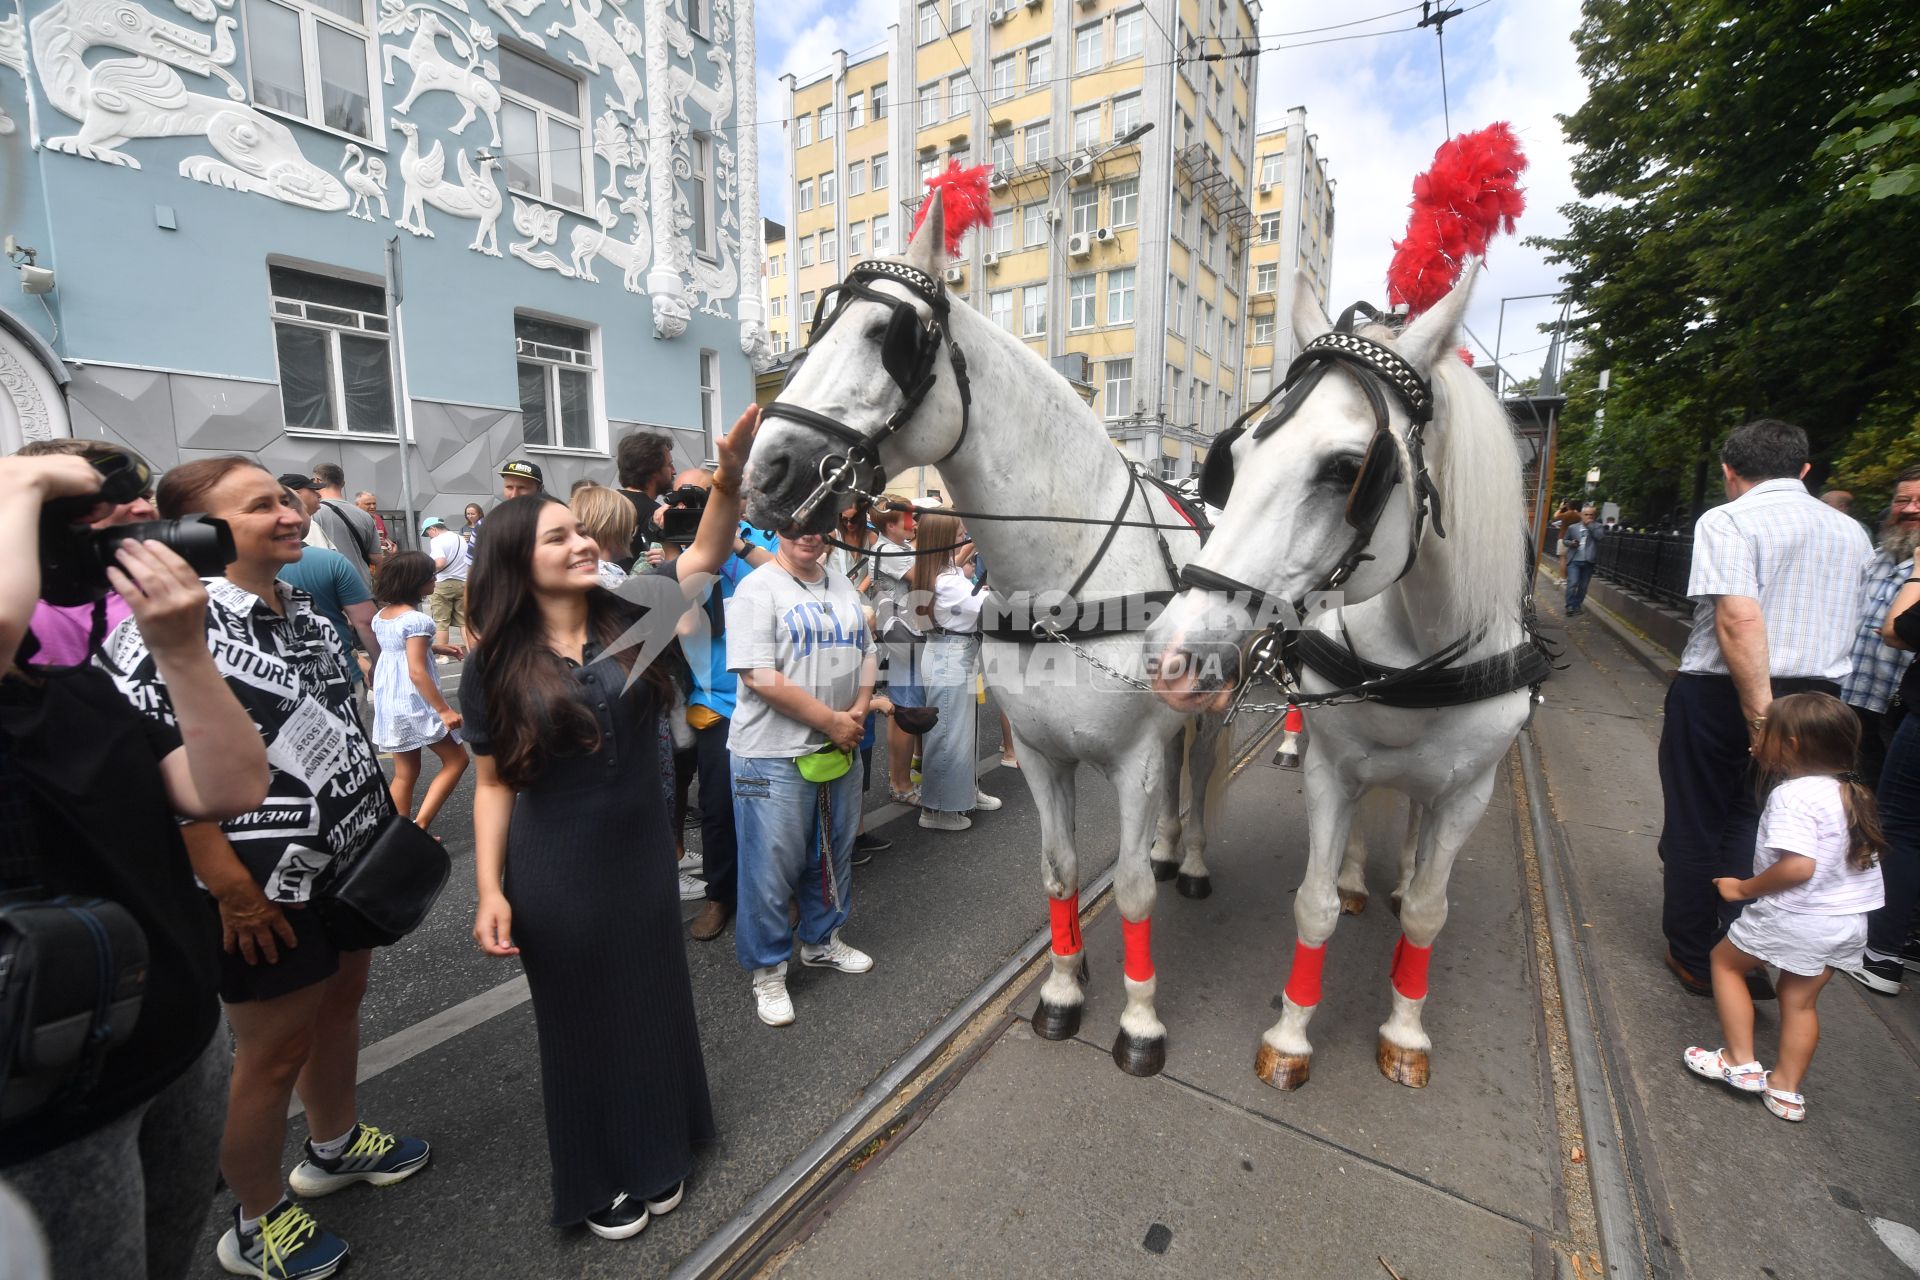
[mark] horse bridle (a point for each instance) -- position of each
(909, 352)
(1378, 370)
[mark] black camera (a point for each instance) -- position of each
(680, 515)
(74, 558)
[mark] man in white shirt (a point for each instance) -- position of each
(1776, 580)
(448, 603)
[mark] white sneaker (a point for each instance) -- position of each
(441, 660)
(984, 802)
(835, 954)
(770, 998)
(693, 864)
(692, 888)
(940, 820)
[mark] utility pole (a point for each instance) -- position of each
(1438, 21)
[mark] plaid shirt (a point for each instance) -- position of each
(1802, 560)
(1877, 666)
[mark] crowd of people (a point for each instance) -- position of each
(262, 729)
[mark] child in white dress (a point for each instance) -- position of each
(409, 711)
(1816, 876)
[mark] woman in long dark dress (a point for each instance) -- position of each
(574, 856)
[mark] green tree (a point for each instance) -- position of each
(1726, 258)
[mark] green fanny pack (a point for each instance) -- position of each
(825, 765)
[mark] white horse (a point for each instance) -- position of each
(1026, 446)
(1283, 533)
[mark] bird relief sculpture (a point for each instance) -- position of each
(367, 179)
(510, 11)
(118, 99)
(615, 51)
(540, 224)
(471, 81)
(424, 183)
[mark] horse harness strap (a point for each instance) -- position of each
(1425, 685)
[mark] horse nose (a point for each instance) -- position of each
(770, 472)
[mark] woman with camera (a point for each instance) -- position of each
(292, 993)
(121, 1172)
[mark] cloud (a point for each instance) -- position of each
(1376, 106)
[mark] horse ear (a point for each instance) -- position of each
(1309, 321)
(928, 248)
(1437, 331)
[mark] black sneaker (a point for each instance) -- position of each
(1879, 975)
(623, 1218)
(667, 1201)
(865, 846)
(1910, 954)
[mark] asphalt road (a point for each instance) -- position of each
(939, 912)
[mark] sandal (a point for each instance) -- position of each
(908, 798)
(1788, 1106)
(1712, 1064)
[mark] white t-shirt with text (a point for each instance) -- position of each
(813, 633)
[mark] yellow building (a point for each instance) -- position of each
(1293, 234)
(1121, 171)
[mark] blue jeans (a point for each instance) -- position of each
(776, 821)
(1900, 820)
(1579, 573)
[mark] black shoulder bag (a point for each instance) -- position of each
(386, 890)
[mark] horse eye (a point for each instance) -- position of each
(876, 332)
(1341, 471)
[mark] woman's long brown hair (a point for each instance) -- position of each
(1816, 733)
(534, 707)
(937, 533)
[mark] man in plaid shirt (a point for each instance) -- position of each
(1776, 582)
(1872, 688)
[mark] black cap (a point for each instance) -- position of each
(293, 480)
(525, 470)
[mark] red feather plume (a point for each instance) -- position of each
(1470, 194)
(965, 203)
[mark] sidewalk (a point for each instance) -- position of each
(1735, 1191)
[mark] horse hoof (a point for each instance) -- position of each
(1164, 871)
(1056, 1021)
(1403, 1066)
(1193, 886)
(1139, 1055)
(1287, 1071)
(1352, 904)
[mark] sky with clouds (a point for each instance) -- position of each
(1373, 101)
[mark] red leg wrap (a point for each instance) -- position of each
(1303, 984)
(1410, 968)
(1295, 720)
(1065, 913)
(1135, 933)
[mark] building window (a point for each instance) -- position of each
(1003, 231)
(806, 251)
(776, 306)
(1086, 129)
(1033, 311)
(311, 59)
(1184, 227)
(856, 239)
(929, 23)
(803, 131)
(1086, 47)
(1119, 389)
(806, 307)
(1206, 239)
(829, 188)
(856, 177)
(775, 265)
(931, 107)
(1269, 228)
(1259, 382)
(882, 232)
(556, 383)
(856, 110)
(960, 91)
(1086, 212)
(1126, 115)
(1039, 141)
(880, 163)
(331, 337)
(961, 14)
(701, 196)
(700, 18)
(1129, 34)
(929, 165)
(1177, 317)
(1000, 152)
(805, 201)
(1202, 325)
(710, 399)
(1123, 202)
(1003, 78)
(540, 130)
(829, 246)
(1039, 64)
(1266, 278)
(879, 93)
(1169, 469)
(1120, 296)
(1229, 335)
(1034, 218)
(1080, 302)
(827, 119)
(1000, 308)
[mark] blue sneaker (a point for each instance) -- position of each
(380, 1158)
(286, 1244)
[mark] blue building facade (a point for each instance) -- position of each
(213, 185)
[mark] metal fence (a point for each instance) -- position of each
(1653, 564)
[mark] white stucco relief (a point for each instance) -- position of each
(754, 339)
(471, 80)
(367, 179)
(13, 53)
(616, 144)
(540, 224)
(511, 11)
(604, 51)
(666, 160)
(425, 183)
(142, 96)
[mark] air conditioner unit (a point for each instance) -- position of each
(1265, 187)
(998, 16)
(1078, 245)
(1053, 216)
(1103, 233)
(1088, 4)
(956, 274)
(990, 259)
(1034, 4)
(1074, 366)
(998, 180)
